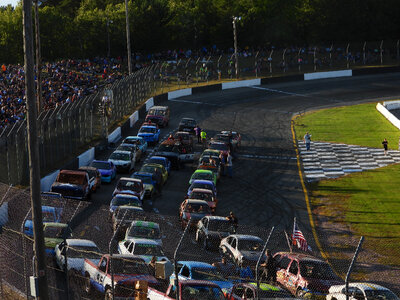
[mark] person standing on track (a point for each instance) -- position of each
(203, 136)
(197, 130)
(233, 220)
(385, 146)
(229, 165)
(307, 140)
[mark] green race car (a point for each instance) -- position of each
(203, 175)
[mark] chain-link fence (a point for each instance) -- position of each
(68, 129)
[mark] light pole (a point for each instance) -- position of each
(234, 19)
(128, 38)
(108, 36)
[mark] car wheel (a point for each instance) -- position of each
(299, 293)
(88, 288)
(108, 294)
(205, 244)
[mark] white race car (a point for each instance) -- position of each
(360, 291)
(143, 248)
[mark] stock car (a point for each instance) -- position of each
(187, 124)
(211, 163)
(305, 275)
(151, 134)
(161, 161)
(249, 291)
(124, 161)
(133, 186)
(143, 248)
(123, 216)
(76, 250)
(236, 138)
(203, 175)
(124, 200)
(54, 233)
(151, 168)
(158, 115)
(50, 214)
(106, 168)
(222, 147)
(194, 210)
(94, 177)
(360, 291)
(209, 152)
(144, 230)
(196, 270)
(185, 138)
(135, 150)
(149, 183)
(206, 195)
(203, 184)
(211, 229)
(243, 250)
(137, 141)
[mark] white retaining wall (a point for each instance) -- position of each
(86, 157)
(331, 74)
(46, 182)
(115, 135)
(149, 103)
(387, 114)
(134, 118)
(179, 93)
(241, 83)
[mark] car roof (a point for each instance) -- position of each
(149, 126)
(133, 137)
(140, 173)
(301, 256)
(102, 161)
(219, 218)
(196, 264)
(145, 224)
(198, 282)
(54, 224)
(127, 207)
(158, 157)
(158, 107)
(153, 165)
(361, 285)
(122, 151)
(80, 242)
(129, 179)
(196, 201)
(246, 237)
(80, 172)
(143, 241)
(203, 181)
(203, 171)
(183, 132)
(191, 119)
(119, 256)
(87, 168)
(205, 191)
(122, 195)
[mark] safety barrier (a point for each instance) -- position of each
(384, 110)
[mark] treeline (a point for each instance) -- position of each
(78, 28)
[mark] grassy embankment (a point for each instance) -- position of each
(368, 201)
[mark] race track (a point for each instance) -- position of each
(265, 190)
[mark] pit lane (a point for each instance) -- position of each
(265, 190)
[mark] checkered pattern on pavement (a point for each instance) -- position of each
(328, 160)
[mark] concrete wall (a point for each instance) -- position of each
(331, 74)
(387, 114)
(86, 157)
(46, 182)
(115, 135)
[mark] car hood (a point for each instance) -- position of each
(105, 172)
(78, 263)
(58, 186)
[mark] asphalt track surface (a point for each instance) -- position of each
(265, 190)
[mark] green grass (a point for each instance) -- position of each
(356, 125)
(369, 203)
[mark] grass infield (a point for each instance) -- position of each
(367, 202)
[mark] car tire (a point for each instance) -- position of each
(87, 285)
(108, 294)
(299, 293)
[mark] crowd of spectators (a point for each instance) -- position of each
(62, 82)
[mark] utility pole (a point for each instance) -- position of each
(128, 38)
(234, 19)
(33, 151)
(38, 59)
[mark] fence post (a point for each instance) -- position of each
(364, 54)
(330, 55)
(315, 59)
(175, 262)
(381, 51)
(299, 60)
(259, 260)
(284, 61)
(351, 267)
(270, 61)
(398, 49)
(347, 55)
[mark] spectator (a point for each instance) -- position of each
(307, 140)
(385, 146)
(233, 220)
(229, 165)
(197, 130)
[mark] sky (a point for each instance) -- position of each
(6, 2)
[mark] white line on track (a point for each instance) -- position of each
(193, 102)
(277, 91)
(267, 157)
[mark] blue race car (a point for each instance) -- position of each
(202, 184)
(125, 200)
(149, 183)
(140, 142)
(196, 270)
(106, 168)
(49, 214)
(150, 133)
(161, 161)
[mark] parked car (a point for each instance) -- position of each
(127, 185)
(206, 195)
(158, 115)
(143, 248)
(185, 138)
(194, 210)
(203, 175)
(138, 141)
(54, 233)
(211, 229)
(149, 183)
(305, 275)
(124, 200)
(135, 150)
(249, 291)
(124, 161)
(72, 184)
(187, 124)
(151, 134)
(94, 177)
(243, 250)
(203, 184)
(196, 270)
(144, 230)
(76, 251)
(50, 214)
(161, 161)
(360, 291)
(106, 168)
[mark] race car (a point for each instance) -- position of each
(203, 175)
(194, 210)
(137, 141)
(206, 195)
(151, 134)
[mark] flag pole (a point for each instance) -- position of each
(288, 241)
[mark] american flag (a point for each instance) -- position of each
(299, 240)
